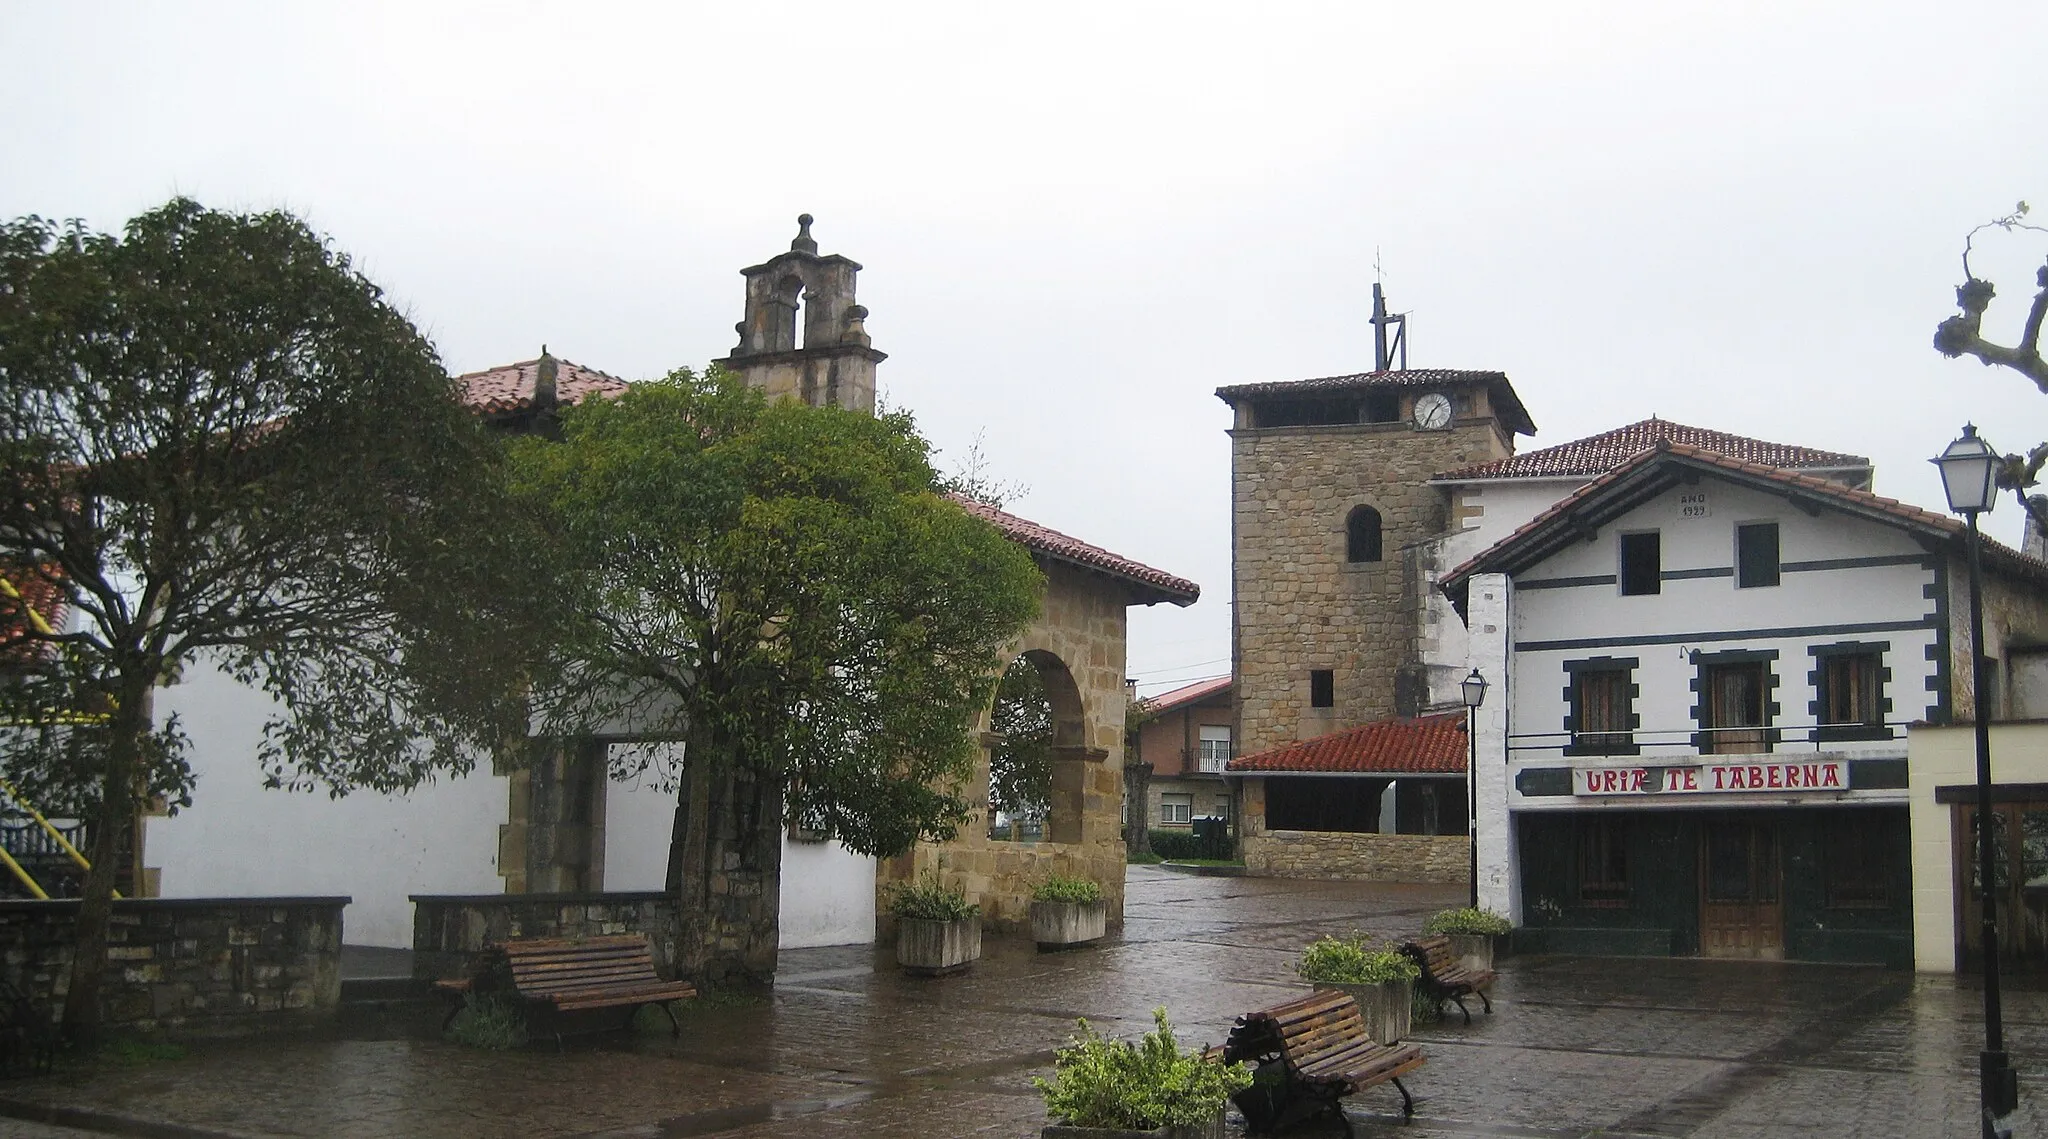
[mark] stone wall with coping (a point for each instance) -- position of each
(188, 966)
(449, 930)
(1357, 857)
(1083, 625)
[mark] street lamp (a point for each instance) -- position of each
(1475, 695)
(1969, 469)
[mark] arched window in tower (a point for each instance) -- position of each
(1362, 535)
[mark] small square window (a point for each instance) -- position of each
(1215, 744)
(1756, 555)
(1602, 719)
(1603, 861)
(1176, 808)
(1322, 688)
(1642, 564)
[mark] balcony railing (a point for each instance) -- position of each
(1691, 739)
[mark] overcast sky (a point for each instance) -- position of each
(1079, 221)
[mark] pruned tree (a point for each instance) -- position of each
(1963, 335)
(219, 443)
(782, 587)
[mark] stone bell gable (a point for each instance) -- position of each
(804, 337)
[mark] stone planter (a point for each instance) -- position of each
(1474, 950)
(929, 948)
(1211, 1130)
(1388, 1008)
(1064, 925)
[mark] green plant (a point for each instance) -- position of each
(929, 899)
(488, 1022)
(1427, 1009)
(1106, 1083)
(1177, 845)
(1354, 961)
(1468, 921)
(1060, 888)
(1143, 858)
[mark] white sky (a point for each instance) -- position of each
(1079, 220)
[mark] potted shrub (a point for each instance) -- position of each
(1066, 912)
(1473, 934)
(937, 929)
(1381, 980)
(1103, 1089)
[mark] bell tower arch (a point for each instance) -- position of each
(804, 338)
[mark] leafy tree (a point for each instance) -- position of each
(218, 442)
(1020, 760)
(1963, 335)
(782, 587)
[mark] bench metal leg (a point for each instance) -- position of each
(1460, 1002)
(1407, 1101)
(1487, 1003)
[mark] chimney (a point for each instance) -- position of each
(2034, 543)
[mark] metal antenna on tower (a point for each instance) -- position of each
(1382, 352)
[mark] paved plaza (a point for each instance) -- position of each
(849, 1047)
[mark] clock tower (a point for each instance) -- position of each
(1331, 510)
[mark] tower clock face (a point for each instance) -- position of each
(1433, 412)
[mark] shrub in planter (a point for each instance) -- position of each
(1067, 912)
(1473, 933)
(1381, 980)
(937, 929)
(1103, 1088)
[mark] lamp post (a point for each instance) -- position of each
(1475, 695)
(1968, 477)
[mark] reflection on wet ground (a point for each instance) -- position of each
(849, 1047)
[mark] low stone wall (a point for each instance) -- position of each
(448, 930)
(1359, 857)
(188, 966)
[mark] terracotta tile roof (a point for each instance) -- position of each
(1426, 745)
(1527, 544)
(1598, 454)
(1158, 585)
(509, 387)
(1503, 393)
(39, 594)
(1186, 694)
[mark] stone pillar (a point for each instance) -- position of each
(730, 893)
(1490, 616)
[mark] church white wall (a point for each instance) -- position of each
(639, 821)
(241, 839)
(828, 895)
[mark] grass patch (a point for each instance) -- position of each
(650, 1019)
(135, 1051)
(488, 1023)
(1207, 861)
(1143, 858)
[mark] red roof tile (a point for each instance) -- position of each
(1160, 585)
(1426, 745)
(42, 595)
(509, 387)
(1503, 392)
(1525, 545)
(1185, 694)
(1598, 454)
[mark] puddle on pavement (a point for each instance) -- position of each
(732, 1118)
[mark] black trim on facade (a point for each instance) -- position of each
(1878, 775)
(1568, 582)
(1696, 638)
(2000, 793)
(1853, 563)
(1701, 662)
(1688, 575)
(1544, 782)
(1843, 732)
(1943, 709)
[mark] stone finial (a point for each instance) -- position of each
(856, 328)
(803, 242)
(545, 394)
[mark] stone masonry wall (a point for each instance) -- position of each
(1299, 604)
(188, 966)
(1083, 625)
(1360, 857)
(448, 930)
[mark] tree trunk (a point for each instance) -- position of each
(725, 867)
(96, 905)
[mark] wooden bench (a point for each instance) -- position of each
(1445, 978)
(571, 976)
(1309, 1054)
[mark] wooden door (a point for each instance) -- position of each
(1742, 906)
(2019, 879)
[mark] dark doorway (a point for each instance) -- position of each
(1742, 904)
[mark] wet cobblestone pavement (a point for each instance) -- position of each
(849, 1047)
